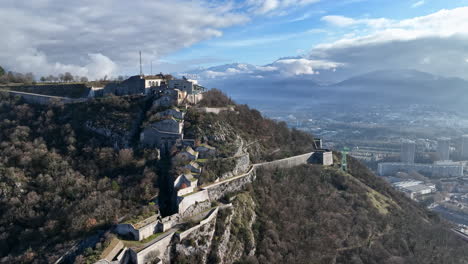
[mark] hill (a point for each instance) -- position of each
(69, 173)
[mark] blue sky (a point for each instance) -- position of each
(267, 38)
(334, 38)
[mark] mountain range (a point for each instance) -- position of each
(265, 85)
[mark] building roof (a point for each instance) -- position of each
(419, 188)
(154, 77)
(191, 151)
(194, 164)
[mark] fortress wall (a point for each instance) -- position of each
(147, 230)
(190, 200)
(159, 247)
(218, 190)
(287, 162)
(44, 99)
(207, 220)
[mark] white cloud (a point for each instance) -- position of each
(418, 4)
(274, 6)
(52, 36)
(342, 21)
(292, 67)
(435, 43)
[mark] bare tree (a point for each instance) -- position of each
(68, 77)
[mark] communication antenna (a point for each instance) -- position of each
(344, 159)
(151, 67)
(141, 69)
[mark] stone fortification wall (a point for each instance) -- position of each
(287, 162)
(189, 200)
(205, 221)
(235, 184)
(159, 247)
(66, 90)
(242, 165)
(44, 99)
(216, 191)
(147, 231)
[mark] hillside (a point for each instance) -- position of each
(70, 173)
(310, 213)
(60, 182)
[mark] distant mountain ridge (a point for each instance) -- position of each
(395, 86)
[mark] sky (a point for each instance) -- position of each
(335, 38)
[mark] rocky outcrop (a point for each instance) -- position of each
(234, 237)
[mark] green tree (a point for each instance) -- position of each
(2, 71)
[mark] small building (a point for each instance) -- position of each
(186, 155)
(185, 184)
(189, 86)
(206, 151)
(169, 125)
(138, 84)
(193, 167)
(163, 134)
(140, 230)
(323, 157)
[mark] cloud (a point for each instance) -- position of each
(418, 4)
(435, 43)
(100, 38)
(342, 21)
(271, 6)
(302, 66)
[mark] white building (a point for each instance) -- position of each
(185, 184)
(414, 188)
(184, 84)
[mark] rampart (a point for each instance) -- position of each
(158, 247)
(44, 99)
(191, 199)
(205, 221)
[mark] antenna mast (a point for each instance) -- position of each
(141, 69)
(151, 67)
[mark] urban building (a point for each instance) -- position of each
(408, 149)
(439, 169)
(414, 189)
(443, 148)
(464, 148)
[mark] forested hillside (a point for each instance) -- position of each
(59, 183)
(310, 214)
